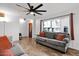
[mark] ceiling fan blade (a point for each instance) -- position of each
(28, 13)
(40, 10)
(25, 11)
(22, 6)
(38, 13)
(38, 6)
(29, 5)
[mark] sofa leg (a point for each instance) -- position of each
(64, 52)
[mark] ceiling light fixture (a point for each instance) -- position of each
(32, 13)
(22, 20)
(4, 19)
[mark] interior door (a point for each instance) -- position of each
(30, 30)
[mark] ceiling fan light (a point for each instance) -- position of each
(32, 13)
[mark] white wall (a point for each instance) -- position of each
(23, 28)
(11, 27)
(1, 28)
(37, 26)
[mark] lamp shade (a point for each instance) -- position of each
(5, 43)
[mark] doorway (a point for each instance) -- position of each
(30, 30)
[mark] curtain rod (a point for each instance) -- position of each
(58, 16)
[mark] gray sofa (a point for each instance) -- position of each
(50, 41)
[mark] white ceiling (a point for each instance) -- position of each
(52, 8)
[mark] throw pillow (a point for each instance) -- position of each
(60, 37)
(42, 34)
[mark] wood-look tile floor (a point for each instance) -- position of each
(33, 49)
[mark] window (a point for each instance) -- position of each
(60, 24)
(47, 25)
(56, 25)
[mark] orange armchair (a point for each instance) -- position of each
(4, 43)
(5, 46)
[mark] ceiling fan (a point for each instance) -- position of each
(33, 10)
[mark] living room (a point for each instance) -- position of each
(17, 26)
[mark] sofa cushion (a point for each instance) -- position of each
(51, 41)
(41, 38)
(50, 35)
(42, 34)
(56, 42)
(60, 37)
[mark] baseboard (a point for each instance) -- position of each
(73, 48)
(24, 36)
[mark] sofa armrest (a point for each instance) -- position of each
(66, 40)
(17, 50)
